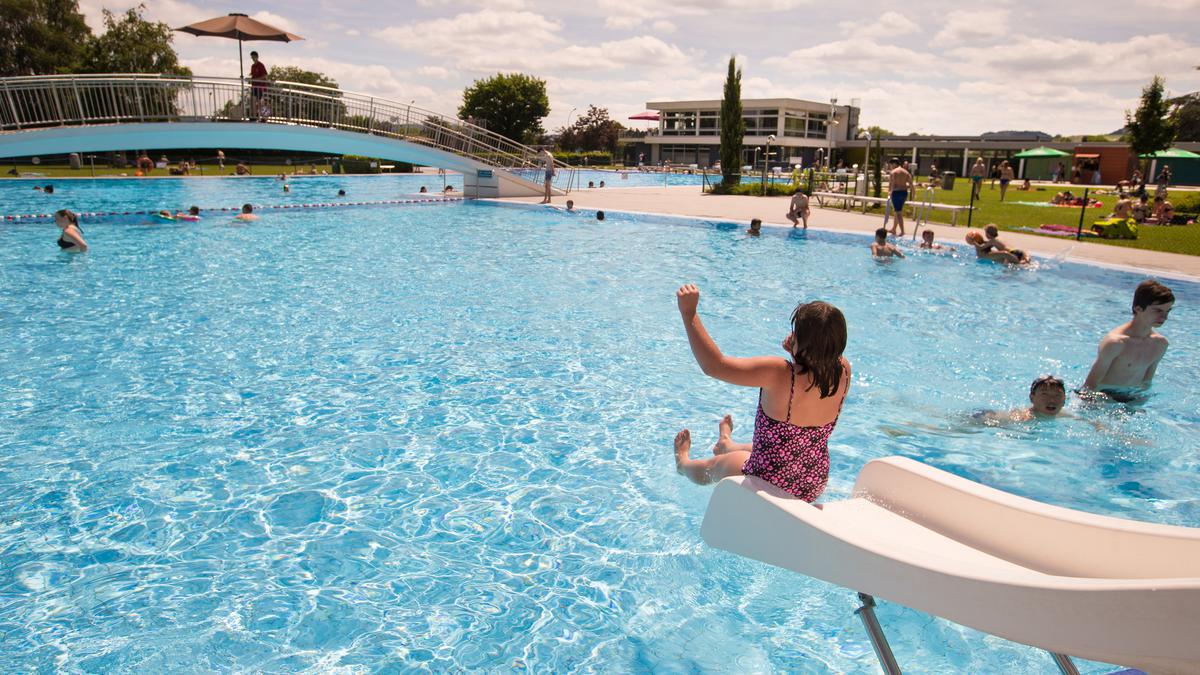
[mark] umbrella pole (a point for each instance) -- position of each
(242, 77)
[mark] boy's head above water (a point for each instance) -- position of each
(1048, 394)
(1153, 300)
(927, 235)
(881, 235)
(991, 231)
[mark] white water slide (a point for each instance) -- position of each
(1072, 583)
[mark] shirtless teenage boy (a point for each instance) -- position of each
(880, 248)
(1129, 354)
(900, 182)
(798, 210)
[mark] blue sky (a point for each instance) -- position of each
(930, 67)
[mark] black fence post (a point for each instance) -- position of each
(1082, 213)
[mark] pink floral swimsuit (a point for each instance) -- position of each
(788, 456)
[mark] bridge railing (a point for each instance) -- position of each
(69, 100)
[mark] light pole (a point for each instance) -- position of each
(867, 166)
(757, 150)
(829, 131)
(767, 162)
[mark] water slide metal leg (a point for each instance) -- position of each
(1065, 665)
(883, 651)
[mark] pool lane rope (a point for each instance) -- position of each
(33, 217)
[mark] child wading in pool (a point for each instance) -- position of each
(799, 401)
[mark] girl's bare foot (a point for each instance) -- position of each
(683, 443)
(725, 440)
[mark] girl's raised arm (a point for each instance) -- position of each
(757, 371)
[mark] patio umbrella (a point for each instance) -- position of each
(241, 28)
(649, 116)
(1040, 152)
(1172, 153)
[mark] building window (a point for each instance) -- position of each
(681, 123)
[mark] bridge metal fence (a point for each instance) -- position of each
(73, 100)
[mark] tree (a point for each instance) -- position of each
(733, 126)
(1151, 128)
(1186, 115)
(133, 45)
(511, 105)
(595, 130)
(41, 37)
(301, 76)
(876, 132)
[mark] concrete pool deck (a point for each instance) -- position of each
(688, 201)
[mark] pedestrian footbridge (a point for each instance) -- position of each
(48, 115)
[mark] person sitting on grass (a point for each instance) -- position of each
(1164, 211)
(755, 227)
(798, 209)
(927, 242)
(1140, 211)
(990, 250)
(1047, 397)
(1123, 208)
(1129, 354)
(799, 401)
(881, 249)
(1026, 186)
(247, 213)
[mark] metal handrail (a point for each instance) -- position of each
(36, 101)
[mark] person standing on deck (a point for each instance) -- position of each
(900, 181)
(548, 162)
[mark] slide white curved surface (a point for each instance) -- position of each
(1095, 587)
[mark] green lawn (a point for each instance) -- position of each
(1008, 215)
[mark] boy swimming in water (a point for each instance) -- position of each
(1047, 397)
(755, 227)
(880, 248)
(1129, 354)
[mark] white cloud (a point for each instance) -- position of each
(970, 25)
(1071, 62)
(434, 71)
(856, 56)
(477, 35)
(276, 21)
(494, 4)
(1173, 5)
(633, 13)
(663, 26)
(887, 24)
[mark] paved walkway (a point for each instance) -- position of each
(688, 201)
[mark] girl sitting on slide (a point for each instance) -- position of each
(799, 401)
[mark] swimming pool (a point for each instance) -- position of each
(439, 436)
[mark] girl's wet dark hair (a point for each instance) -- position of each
(819, 338)
(70, 215)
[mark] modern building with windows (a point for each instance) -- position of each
(805, 131)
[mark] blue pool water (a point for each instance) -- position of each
(106, 194)
(439, 437)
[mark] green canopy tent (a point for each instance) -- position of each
(1171, 153)
(1039, 162)
(1040, 152)
(1176, 154)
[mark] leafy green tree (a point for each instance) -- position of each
(877, 163)
(876, 132)
(594, 131)
(511, 105)
(733, 126)
(41, 37)
(1151, 128)
(131, 44)
(1186, 115)
(301, 76)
